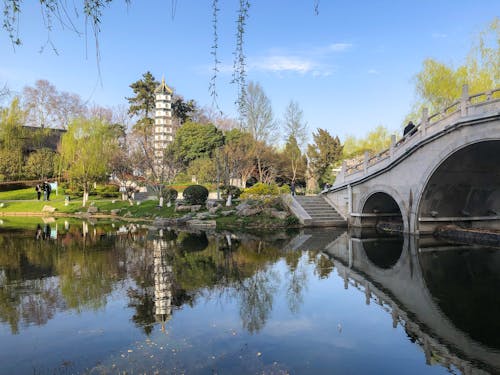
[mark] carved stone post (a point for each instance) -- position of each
(393, 144)
(464, 100)
(424, 123)
(365, 161)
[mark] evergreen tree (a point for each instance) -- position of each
(322, 154)
(143, 103)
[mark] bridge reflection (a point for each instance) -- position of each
(445, 297)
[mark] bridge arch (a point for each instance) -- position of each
(463, 186)
(382, 204)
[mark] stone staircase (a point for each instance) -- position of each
(320, 212)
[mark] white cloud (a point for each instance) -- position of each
(339, 47)
(373, 71)
(312, 61)
(284, 64)
(439, 35)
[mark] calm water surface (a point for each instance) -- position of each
(80, 297)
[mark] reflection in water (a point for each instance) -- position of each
(384, 252)
(445, 301)
(468, 296)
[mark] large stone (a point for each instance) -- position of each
(279, 214)
(92, 210)
(47, 208)
(214, 210)
(227, 213)
(250, 211)
(202, 224)
(115, 212)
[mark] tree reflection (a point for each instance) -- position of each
(81, 266)
(256, 295)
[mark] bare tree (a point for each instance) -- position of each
(294, 124)
(40, 102)
(258, 113)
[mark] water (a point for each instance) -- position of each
(104, 298)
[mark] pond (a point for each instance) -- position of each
(110, 297)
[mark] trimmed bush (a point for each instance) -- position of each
(196, 194)
(234, 190)
(169, 194)
(263, 190)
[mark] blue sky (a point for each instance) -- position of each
(350, 67)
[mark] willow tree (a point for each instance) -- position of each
(86, 151)
(439, 84)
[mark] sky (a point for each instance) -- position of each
(351, 67)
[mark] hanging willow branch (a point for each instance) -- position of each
(239, 64)
(212, 88)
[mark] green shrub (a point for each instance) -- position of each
(263, 190)
(169, 194)
(196, 194)
(292, 220)
(227, 189)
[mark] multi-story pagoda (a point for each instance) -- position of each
(163, 129)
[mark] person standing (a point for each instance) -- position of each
(38, 190)
(48, 189)
(292, 188)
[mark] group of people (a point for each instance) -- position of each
(45, 188)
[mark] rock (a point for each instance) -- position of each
(195, 207)
(92, 210)
(279, 214)
(250, 211)
(203, 216)
(214, 209)
(227, 213)
(201, 224)
(2, 205)
(115, 212)
(47, 208)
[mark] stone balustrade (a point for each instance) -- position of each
(466, 106)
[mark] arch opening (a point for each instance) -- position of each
(382, 212)
(384, 252)
(464, 188)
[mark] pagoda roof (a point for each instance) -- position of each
(163, 88)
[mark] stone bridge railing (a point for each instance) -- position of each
(468, 105)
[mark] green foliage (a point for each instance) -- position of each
(438, 84)
(263, 190)
(193, 141)
(143, 103)
(375, 141)
(292, 220)
(323, 153)
(41, 164)
(86, 151)
(204, 169)
(182, 110)
(169, 194)
(196, 194)
(295, 163)
(108, 191)
(235, 191)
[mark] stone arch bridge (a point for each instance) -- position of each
(446, 171)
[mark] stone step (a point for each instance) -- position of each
(328, 223)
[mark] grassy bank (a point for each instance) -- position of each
(23, 202)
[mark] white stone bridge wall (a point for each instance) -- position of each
(403, 171)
